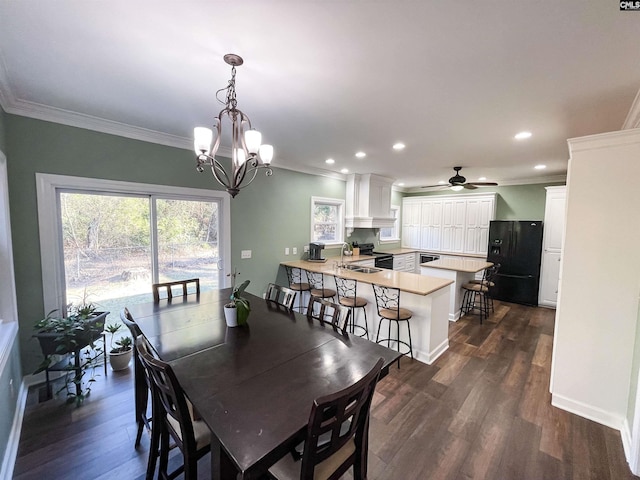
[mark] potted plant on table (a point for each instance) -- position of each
(68, 344)
(237, 310)
(120, 355)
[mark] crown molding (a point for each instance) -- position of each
(633, 117)
(604, 140)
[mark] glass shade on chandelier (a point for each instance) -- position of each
(248, 154)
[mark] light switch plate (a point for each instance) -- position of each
(295, 250)
(286, 250)
(306, 248)
(245, 254)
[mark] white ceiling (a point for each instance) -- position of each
(454, 81)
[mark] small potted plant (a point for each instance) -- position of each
(237, 310)
(120, 355)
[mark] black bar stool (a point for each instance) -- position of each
(389, 309)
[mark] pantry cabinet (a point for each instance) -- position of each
(448, 223)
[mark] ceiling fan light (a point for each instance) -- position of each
(202, 138)
(456, 188)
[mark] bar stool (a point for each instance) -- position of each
(476, 294)
(389, 309)
(297, 283)
(316, 282)
(348, 297)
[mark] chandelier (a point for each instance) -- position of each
(247, 153)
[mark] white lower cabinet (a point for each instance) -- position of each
(405, 262)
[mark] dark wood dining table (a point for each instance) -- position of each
(253, 385)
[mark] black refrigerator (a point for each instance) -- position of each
(517, 247)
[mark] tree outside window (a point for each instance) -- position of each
(327, 220)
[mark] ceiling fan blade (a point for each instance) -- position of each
(483, 184)
(469, 186)
(438, 185)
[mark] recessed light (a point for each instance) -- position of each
(522, 135)
(344, 170)
(330, 161)
(399, 146)
(540, 167)
(482, 179)
(361, 154)
(401, 184)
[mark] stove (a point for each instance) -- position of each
(383, 260)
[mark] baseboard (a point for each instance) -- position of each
(627, 441)
(588, 411)
(10, 453)
(431, 357)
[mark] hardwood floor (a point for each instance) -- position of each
(482, 411)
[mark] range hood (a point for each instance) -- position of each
(368, 202)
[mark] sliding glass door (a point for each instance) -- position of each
(116, 245)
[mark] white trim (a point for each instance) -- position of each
(633, 451)
(8, 334)
(11, 452)
(633, 117)
(627, 445)
(427, 358)
(588, 411)
(604, 140)
(51, 243)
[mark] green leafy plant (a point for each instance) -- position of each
(62, 335)
(238, 301)
(123, 345)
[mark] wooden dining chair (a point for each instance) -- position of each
(182, 286)
(283, 296)
(172, 418)
(142, 389)
(328, 313)
(337, 435)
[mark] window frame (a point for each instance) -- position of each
(48, 187)
(395, 229)
(340, 233)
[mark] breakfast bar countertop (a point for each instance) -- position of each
(406, 282)
(469, 265)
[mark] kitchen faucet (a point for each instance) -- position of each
(344, 244)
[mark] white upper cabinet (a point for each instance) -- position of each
(450, 224)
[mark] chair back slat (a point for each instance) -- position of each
(346, 287)
(329, 313)
(167, 394)
(336, 419)
(280, 295)
(181, 286)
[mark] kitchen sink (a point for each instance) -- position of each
(361, 269)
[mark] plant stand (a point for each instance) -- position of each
(72, 360)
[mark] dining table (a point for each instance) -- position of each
(253, 385)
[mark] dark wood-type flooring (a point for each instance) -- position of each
(482, 411)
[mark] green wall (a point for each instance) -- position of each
(513, 202)
(2, 131)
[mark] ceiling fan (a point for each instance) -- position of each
(458, 182)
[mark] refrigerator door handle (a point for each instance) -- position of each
(515, 276)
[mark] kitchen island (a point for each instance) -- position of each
(427, 297)
(459, 270)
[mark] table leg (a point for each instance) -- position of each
(222, 467)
